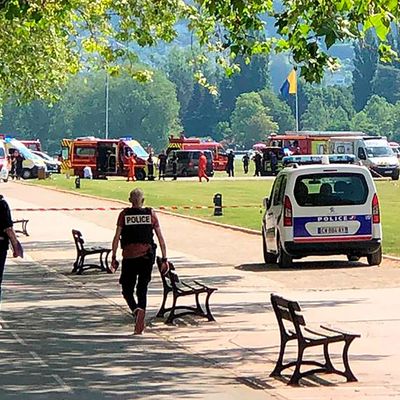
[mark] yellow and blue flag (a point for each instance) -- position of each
(290, 85)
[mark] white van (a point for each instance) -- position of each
(321, 210)
(372, 151)
(3, 162)
(32, 162)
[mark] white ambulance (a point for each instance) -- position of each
(3, 162)
(374, 152)
(322, 209)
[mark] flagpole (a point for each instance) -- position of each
(297, 112)
(297, 104)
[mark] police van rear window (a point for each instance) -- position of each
(334, 189)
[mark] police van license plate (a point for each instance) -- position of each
(329, 230)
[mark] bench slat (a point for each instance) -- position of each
(285, 303)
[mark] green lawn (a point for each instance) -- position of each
(234, 193)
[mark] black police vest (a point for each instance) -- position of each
(137, 227)
(4, 223)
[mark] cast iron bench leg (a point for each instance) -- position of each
(328, 363)
(172, 315)
(198, 306)
(294, 380)
(80, 265)
(76, 264)
(24, 230)
(207, 304)
(103, 261)
(162, 309)
(107, 267)
(279, 364)
(347, 371)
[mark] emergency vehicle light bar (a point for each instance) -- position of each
(319, 159)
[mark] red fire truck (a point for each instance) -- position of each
(106, 157)
(220, 157)
(300, 143)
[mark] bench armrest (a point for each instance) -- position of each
(316, 333)
(187, 285)
(335, 330)
(204, 286)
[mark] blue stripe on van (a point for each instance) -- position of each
(299, 223)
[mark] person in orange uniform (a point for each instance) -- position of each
(132, 165)
(202, 167)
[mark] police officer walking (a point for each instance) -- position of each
(135, 227)
(7, 235)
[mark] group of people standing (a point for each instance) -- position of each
(162, 159)
(132, 161)
(261, 163)
(162, 164)
(14, 165)
(265, 161)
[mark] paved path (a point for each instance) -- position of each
(72, 334)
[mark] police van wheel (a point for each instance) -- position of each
(184, 173)
(284, 259)
(375, 258)
(269, 258)
(395, 176)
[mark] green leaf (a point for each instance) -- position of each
(379, 22)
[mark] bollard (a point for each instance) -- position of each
(217, 204)
(77, 182)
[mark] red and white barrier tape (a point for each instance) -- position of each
(121, 208)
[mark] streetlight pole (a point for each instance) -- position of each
(107, 101)
(107, 95)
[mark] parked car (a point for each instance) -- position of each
(323, 209)
(188, 162)
(53, 166)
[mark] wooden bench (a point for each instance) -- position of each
(24, 223)
(82, 252)
(178, 288)
(286, 310)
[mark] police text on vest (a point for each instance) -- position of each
(137, 219)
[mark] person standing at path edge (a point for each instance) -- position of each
(135, 227)
(131, 167)
(202, 167)
(230, 165)
(7, 235)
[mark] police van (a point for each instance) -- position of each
(322, 205)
